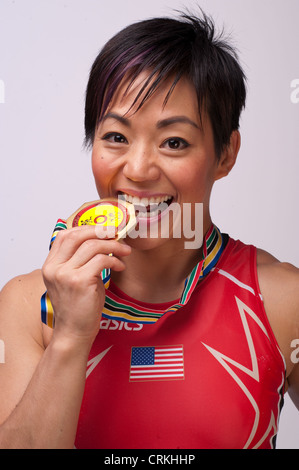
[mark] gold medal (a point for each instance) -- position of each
(106, 214)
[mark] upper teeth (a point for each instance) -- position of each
(145, 201)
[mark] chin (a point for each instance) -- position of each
(148, 244)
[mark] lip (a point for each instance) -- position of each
(145, 220)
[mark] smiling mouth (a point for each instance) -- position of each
(147, 207)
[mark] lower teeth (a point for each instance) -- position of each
(152, 210)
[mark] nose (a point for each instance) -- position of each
(141, 165)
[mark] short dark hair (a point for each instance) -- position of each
(167, 47)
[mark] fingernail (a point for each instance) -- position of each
(105, 232)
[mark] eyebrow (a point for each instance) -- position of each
(118, 118)
(174, 120)
(160, 124)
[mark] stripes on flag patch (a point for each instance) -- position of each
(157, 363)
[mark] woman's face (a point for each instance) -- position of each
(159, 154)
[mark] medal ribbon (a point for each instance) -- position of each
(117, 308)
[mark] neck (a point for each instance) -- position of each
(157, 275)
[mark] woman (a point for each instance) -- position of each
(193, 347)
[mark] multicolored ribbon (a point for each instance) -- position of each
(117, 308)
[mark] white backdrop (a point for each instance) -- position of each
(46, 50)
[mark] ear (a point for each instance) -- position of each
(228, 156)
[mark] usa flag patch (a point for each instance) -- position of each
(157, 363)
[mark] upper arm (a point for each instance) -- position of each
(21, 338)
(279, 283)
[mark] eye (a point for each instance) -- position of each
(175, 143)
(115, 138)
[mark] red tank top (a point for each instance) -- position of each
(207, 376)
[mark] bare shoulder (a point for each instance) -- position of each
(25, 282)
(279, 285)
(279, 280)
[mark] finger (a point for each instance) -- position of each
(70, 234)
(68, 241)
(91, 248)
(100, 262)
(80, 279)
(103, 232)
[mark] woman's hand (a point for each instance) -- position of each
(71, 274)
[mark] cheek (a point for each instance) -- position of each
(105, 171)
(190, 175)
(96, 164)
(99, 171)
(195, 181)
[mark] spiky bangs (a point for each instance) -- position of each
(167, 47)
